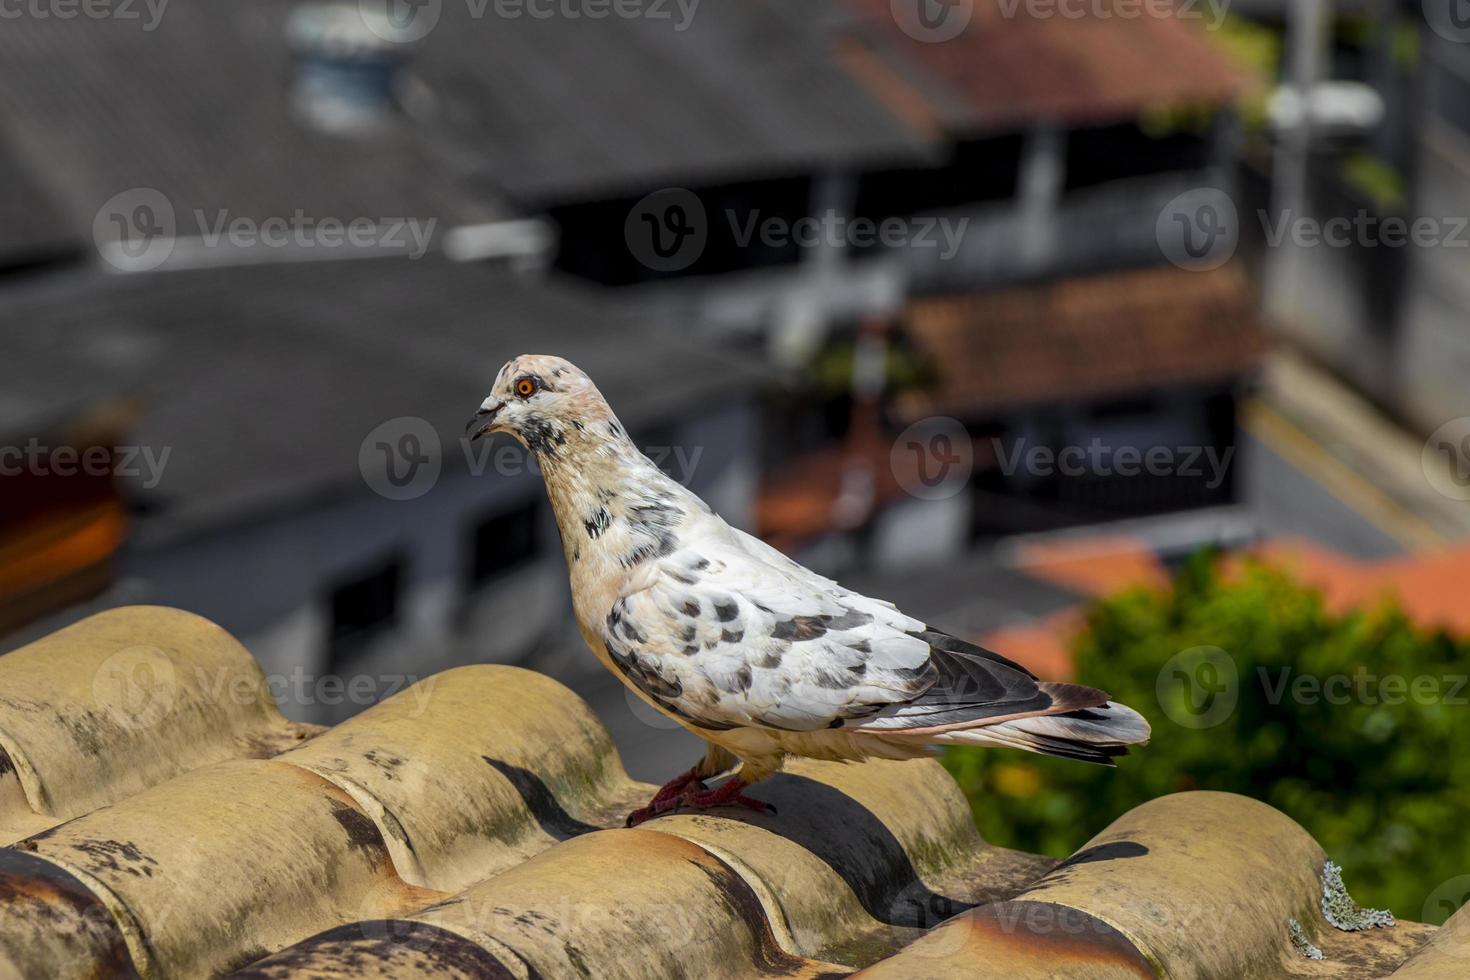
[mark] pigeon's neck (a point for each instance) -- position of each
(614, 507)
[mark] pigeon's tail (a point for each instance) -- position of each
(1097, 734)
(978, 697)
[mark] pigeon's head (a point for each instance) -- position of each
(542, 401)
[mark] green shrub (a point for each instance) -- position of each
(1376, 769)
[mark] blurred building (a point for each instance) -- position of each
(1030, 301)
(626, 191)
(295, 470)
(183, 268)
(1353, 209)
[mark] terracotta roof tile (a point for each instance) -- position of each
(1041, 647)
(1083, 63)
(104, 709)
(1444, 956)
(462, 829)
(798, 502)
(1087, 337)
(1428, 586)
(1095, 565)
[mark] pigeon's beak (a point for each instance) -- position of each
(483, 420)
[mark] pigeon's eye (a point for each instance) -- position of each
(525, 387)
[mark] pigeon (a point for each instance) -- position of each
(755, 654)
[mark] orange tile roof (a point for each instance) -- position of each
(796, 504)
(1344, 582)
(1043, 647)
(1094, 565)
(1083, 338)
(1080, 63)
(464, 829)
(1430, 587)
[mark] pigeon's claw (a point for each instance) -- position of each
(687, 791)
(666, 799)
(726, 794)
(697, 796)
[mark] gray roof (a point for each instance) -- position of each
(544, 110)
(197, 108)
(32, 228)
(263, 381)
(968, 597)
(567, 108)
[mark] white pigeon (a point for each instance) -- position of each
(745, 648)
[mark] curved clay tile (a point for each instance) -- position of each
(461, 829)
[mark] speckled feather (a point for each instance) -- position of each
(745, 647)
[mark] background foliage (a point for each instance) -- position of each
(1381, 779)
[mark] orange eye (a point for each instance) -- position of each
(525, 388)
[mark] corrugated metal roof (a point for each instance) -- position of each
(459, 829)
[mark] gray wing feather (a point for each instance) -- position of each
(731, 633)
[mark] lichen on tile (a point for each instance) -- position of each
(1340, 909)
(1300, 941)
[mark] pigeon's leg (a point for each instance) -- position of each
(666, 798)
(674, 788)
(726, 794)
(715, 761)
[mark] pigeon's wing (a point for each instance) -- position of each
(730, 633)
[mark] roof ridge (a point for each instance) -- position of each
(459, 828)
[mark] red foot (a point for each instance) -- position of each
(665, 799)
(697, 797)
(726, 794)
